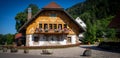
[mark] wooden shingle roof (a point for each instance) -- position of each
(52, 5)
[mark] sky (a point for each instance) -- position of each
(9, 9)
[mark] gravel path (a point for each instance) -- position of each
(74, 52)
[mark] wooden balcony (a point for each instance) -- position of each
(51, 31)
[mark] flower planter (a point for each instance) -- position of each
(56, 30)
(47, 51)
(13, 50)
(4, 49)
(46, 30)
(87, 52)
(26, 51)
(1, 48)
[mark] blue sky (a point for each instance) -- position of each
(9, 9)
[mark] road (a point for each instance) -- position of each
(73, 52)
(12, 55)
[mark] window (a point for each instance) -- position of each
(60, 26)
(45, 26)
(40, 25)
(55, 26)
(36, 38)
(65, 25)
(50, 26)
(69, 39)
(52, 15)
(37, 30)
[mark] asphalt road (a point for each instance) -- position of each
(73, 52)
(12, 55)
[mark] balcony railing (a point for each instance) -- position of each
(52, 31)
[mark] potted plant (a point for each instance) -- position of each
(14, 50)
(87, 52)
(26, 50)
(40, 29)
(1, 47)
(56, 30)
(47, 51)
(5, 49)
(46, 30)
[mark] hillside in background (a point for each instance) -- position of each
(97, 14)
(101, 8)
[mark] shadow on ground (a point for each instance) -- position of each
(94, 47)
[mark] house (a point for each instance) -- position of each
(51, 26)
(79, 21)
(83, 25)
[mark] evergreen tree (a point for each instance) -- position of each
(97, 14)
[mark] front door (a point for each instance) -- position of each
(69, 40)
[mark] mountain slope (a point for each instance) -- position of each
(101, 8)
(97, 14)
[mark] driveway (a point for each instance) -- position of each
(73, 52)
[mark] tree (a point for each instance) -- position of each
(21, 17)
(97, 14)
(1, 39)
(9, 38)
(90, 34)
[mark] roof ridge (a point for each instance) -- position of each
(52, 5)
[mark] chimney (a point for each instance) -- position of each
(29, 14)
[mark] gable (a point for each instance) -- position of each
(62, 15)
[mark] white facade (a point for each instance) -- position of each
(73, 39)
(50, 40)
